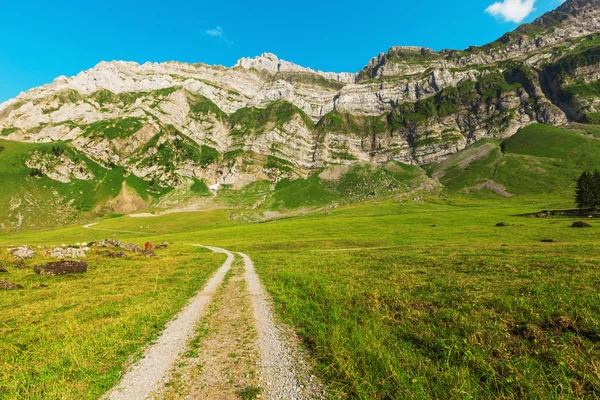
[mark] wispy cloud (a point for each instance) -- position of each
(218, 33)
(511, 10)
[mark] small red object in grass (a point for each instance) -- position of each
(148, 246)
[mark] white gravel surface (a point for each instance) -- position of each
(283, 372)
(149, 374)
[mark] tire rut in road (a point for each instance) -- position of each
(284, 370)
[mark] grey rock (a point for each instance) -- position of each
(22, 252)
(6, 285)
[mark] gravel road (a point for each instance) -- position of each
(284, 372)
(148, 374)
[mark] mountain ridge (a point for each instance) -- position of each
(264, 119)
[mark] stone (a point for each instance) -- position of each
(63, 267)
(68, 252)
(116, 243)
(2, 269)
(131, 247)
(149, 253)
(6, 285)
(581, 224)
(22, 252)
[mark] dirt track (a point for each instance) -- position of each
(242, 347)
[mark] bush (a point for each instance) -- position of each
(36, 172)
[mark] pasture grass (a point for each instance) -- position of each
(424, 300)
(73, 337)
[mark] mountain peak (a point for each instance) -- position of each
(266, 61)
(270, 62)
(577, 5)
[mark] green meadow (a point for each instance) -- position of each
(403, 297)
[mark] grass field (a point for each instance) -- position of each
(462, 309)
(396, 299)
(71, 338)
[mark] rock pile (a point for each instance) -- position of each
(116, 243)
(69, 252)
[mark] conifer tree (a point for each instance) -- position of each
(587, 192)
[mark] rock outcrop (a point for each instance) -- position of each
(172, 124)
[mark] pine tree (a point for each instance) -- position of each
(582, 194)
(587, 192)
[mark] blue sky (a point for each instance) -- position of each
(43, 40)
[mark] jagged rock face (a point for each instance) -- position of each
(267, 118)
(59, 167)
(270, 62)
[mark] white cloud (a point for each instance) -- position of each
(511, 10)
(218, 33)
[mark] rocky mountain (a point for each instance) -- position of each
(265, 119)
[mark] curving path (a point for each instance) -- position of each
(149, 374)
(282, 370)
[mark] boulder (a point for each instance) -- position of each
(62, 267)
(68, 252)
(131, 247)
(149, 253)
(6, 285)
(108, 243)
(22, 252)
(163, 245)
(580, 224)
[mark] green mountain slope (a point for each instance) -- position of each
(31, 199)
(538, 160)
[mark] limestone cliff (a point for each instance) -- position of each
(266, 118)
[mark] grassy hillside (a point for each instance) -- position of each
(538, 160)
(28, 200)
